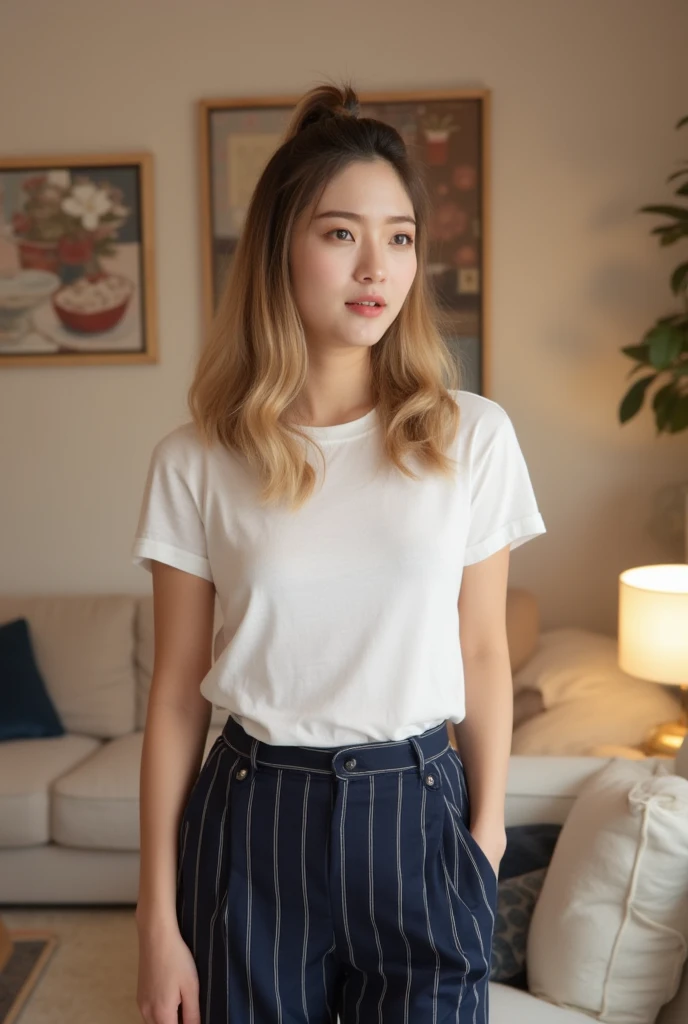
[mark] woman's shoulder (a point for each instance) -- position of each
(480, 416)
(182, 445)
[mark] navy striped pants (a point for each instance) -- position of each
(324, 883)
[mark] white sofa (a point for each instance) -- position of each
(69, 831)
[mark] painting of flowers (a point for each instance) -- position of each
(76, 264)
(445, 132)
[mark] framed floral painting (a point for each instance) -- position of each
(447, 132)
(77, 283)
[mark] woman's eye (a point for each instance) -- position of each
(338, 232)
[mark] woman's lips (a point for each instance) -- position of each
(357, 307)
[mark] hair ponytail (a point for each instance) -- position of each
(320, 104)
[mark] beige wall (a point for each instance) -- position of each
(585, 97)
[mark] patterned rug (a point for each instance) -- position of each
(31, 952)
(91, 978)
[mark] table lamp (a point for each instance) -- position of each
(653, 639)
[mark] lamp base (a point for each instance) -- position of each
(666, 739)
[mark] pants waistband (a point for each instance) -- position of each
(345, 762)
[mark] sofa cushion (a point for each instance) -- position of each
(26, 710)
(28, 768)
(588, 700)
(610, 930)
(84, 649)
(512, 1006)
(144, 651)
(96, 806)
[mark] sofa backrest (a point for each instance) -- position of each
(84, 649)
(543, 790)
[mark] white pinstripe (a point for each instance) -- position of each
(400, 893)
(455, 934)
(249, 900)
(456, 842)
(456, 816)
(342, 850)
(427, 910)
(457, 772)
(179, 871)
(304, 887)
(327, 1001)
(217, 891)
(217, 754)
(277, 897)
(473, 918)
(372, 900)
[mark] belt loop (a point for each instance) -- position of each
(419, 755)
(254, 750)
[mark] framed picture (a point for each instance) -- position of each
(447, 132)
(77, 274)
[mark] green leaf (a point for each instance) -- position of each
(678, 212)
(679, 278)
(669, 319)
(663, 404)
(674, 234)
(641, 352)
(679, 415)
(680, 371)
(665, 344)
(632, 401)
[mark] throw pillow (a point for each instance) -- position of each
(587, 699)
(609, 931)
(522, 873)
(26, 710)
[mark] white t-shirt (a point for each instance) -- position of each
(341, 620)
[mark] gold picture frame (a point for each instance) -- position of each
(449, 130)
(77, 266)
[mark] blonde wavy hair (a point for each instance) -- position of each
(254, 364)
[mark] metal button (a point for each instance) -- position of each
(430, 779)
(350, 764)
(241, 774)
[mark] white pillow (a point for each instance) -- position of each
(588, 699)
(609, 934)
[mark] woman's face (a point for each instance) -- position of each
(358, 241)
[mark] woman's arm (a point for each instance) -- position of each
(176, 730)
(484, 735)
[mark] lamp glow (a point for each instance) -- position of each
(653, 636)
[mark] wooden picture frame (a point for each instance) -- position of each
(447, 130)
(77, 268)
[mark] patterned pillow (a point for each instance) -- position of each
(522, 873)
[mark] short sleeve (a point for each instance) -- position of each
(503, 507)
(170, 527)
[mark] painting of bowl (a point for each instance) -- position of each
(21, 293)
(91, 305)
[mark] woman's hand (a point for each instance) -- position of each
(492, 841)
(167, 977)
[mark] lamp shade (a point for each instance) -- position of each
(653, 623)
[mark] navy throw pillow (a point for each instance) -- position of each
(26, 710)
(522, 871)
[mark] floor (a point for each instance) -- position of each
(91, 977)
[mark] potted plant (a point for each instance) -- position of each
(664, 348)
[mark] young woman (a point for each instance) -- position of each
(353, 512)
